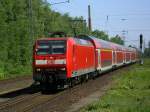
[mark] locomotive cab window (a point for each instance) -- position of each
(45, 47)
(58, 49)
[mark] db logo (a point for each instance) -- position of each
(50, 61)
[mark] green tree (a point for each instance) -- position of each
(15, 27)
(117, 39)
(147, 51)
(100, 34)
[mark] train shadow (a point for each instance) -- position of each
(51, 91)
(30, 90)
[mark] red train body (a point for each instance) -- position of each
(63, 60)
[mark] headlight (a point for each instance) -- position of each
(38, 70)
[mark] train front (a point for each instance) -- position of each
(49, 60)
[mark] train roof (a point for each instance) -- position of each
(98, 43)
(117, 46)
(51, 38)
(72, 39)
(101, 43)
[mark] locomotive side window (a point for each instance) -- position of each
(46, 47)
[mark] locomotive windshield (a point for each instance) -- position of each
(46, 47)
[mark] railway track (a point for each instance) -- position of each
(31, 99)
(43, 100)
(27, 102)
(16, 101)
(19, 96)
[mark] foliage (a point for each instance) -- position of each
(130, 93)
(18, 32)
(147, 51)
(100, 34)
(117, 39)
(19, 27)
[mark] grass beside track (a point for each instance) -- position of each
(130, 92)
(15, 72)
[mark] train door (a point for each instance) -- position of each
(98, 59)
(124, 57)
(113, 57)
(130, 56)
(116, 57)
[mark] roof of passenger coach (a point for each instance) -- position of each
(132, 49)
(83, 42)
(99, 43)
(116, 47)
(128, 49)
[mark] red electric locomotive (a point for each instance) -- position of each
(60, 60)
(65, 60)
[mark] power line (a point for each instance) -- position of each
(56, 3)
(130, 14)
(132, 41)
(129, 30)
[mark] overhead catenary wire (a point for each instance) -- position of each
(129, 14)
(56, 3)
(129, 30)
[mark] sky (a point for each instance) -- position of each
(113, 16)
